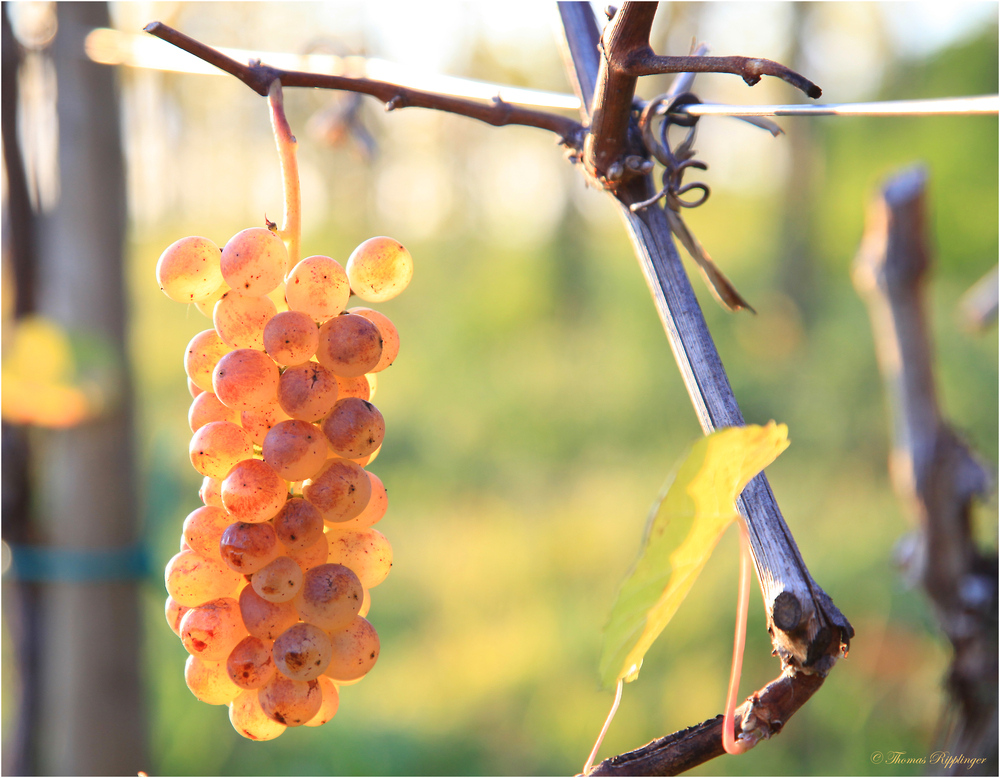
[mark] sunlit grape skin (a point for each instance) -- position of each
(290, 702)
(253, 492)
(250, 664)
(217, 447)
(330, 704)
(266, 619)
(295, 449)
(291, 337)
(192, 579)
(355, 650)
(207, 407)
(279, 581)
(200, 357)
(245, 379)
(354, 428)
(330, 597)
(340, 490)
(373, 512)
(379, 269)
(203, 529)
(253, 261)
(249, 719)
(247, 547)
(208, 680)
(307, 391)
(298, 524)
(366, 551)
(258, 421)
(349, 345)
(188, 270)
(317, 286)
(312, 555)
(173, 612)
(302, 652)
(212, 629)
(389, 333)
(240, 320)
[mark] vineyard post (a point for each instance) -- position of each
(75, 557)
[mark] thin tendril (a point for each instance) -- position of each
(604, 729)
(730, 743)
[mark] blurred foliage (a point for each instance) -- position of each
(535, 411)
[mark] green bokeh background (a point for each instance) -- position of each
(535, 411)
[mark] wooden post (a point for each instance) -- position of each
(82, 560)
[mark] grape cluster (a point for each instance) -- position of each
(270, 589)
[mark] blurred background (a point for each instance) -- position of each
(535, 410)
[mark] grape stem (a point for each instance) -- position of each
(730, 742)
(291, 226)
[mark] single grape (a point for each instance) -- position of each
(290, 702)
(295, 449)
(374, 510)
(193, 388)
(240, 320)
(389, 333)
(192, 579)
(279, 581)
(217, 447)
(207, 407)
(258, 421)
(212, 629)
(208, 680)
(379, 269)
(253, 492)
(355, 386)
(307, 391)
(203, 352)
(312, 555)
(253, 261)
(366, 551)
(247, 547)
(264, 618)
(298, 524)
(249, 719)
(250, 664)
(317, 286)
(211, 491)
(331, 701)
(340, 491)
(203, 529)
(349, 345)
(302, 652)
(290, 338)
(366, 604)
(354, 428)
(207, 306)
(245, 379)
(355, 651)
(174, 613)
(188, 269)
(330, 597)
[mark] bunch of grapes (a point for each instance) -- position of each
(270, 589)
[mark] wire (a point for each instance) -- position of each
(985, 104)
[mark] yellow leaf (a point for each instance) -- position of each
(685, 526)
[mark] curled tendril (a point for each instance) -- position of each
(676, 160)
